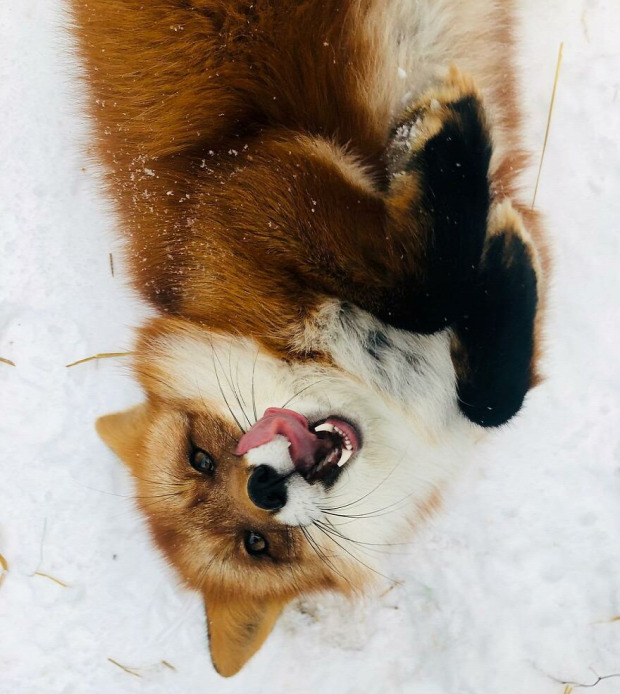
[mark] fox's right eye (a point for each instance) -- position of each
(200, 460)
(255, 543)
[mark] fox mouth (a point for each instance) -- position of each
(318, 452)
(338, 442)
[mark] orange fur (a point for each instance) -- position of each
(245, 156)
(185, 517)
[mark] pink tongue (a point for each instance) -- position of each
(277, 421)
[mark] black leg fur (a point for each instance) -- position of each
(480, 283)
(454, 167)
(452, 209)
(495, 340)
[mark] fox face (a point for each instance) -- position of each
(264, 480)
(349, 295)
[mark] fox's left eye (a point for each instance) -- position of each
(200, 460)
(255, 543)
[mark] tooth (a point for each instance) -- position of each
(326, 426)
(346, 454)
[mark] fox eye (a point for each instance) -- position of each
(255, 543)
(200, 460)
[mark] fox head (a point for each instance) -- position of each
(263, 479)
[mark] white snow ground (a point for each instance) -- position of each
(516, 583)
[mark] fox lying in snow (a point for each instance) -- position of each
(324, 211)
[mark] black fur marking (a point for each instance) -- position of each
(168, 298)
(344, 312)
(413, 360)
(486, 291)
(497, 335)
(376, 344)
(453, 166)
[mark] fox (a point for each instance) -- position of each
(321, 201)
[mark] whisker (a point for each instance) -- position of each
(330, 536)
(219, 383)
(357, 501)
(360, 542)
(316, 547)
(103, 491)
(158, 496)
(290, 562)
(377, 512)
(228, 380)
(253, 384)
(205, 570)
(237, 393)
(303, 390)
(149, 375)
(371, 514)
(161, 483)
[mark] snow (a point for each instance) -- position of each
(515, 583)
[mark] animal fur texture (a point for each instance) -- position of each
(320, 198)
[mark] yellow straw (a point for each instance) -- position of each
(51, 578)
(124, 667)
(4, 568)
(102, 355)
(555, 86)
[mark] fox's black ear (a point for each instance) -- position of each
(237, 628)
(494, 341)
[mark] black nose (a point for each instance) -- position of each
(267, 488)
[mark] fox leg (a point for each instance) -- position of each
(475, 268)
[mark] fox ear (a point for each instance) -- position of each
(237, 629)
(123, 431)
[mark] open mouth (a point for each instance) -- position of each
(318, 452)
(337, 442)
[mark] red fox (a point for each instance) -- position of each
(320, 198)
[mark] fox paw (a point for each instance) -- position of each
(494, 341)
(439, 160)
(454, 104)
(476, 270)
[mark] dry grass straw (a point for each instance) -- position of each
(101, 355)
(551, 105)
(4, 569)
(7, 361)
(135, 671)
(112, 264)
(570, 687)
(128, 670)
(51, 578)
